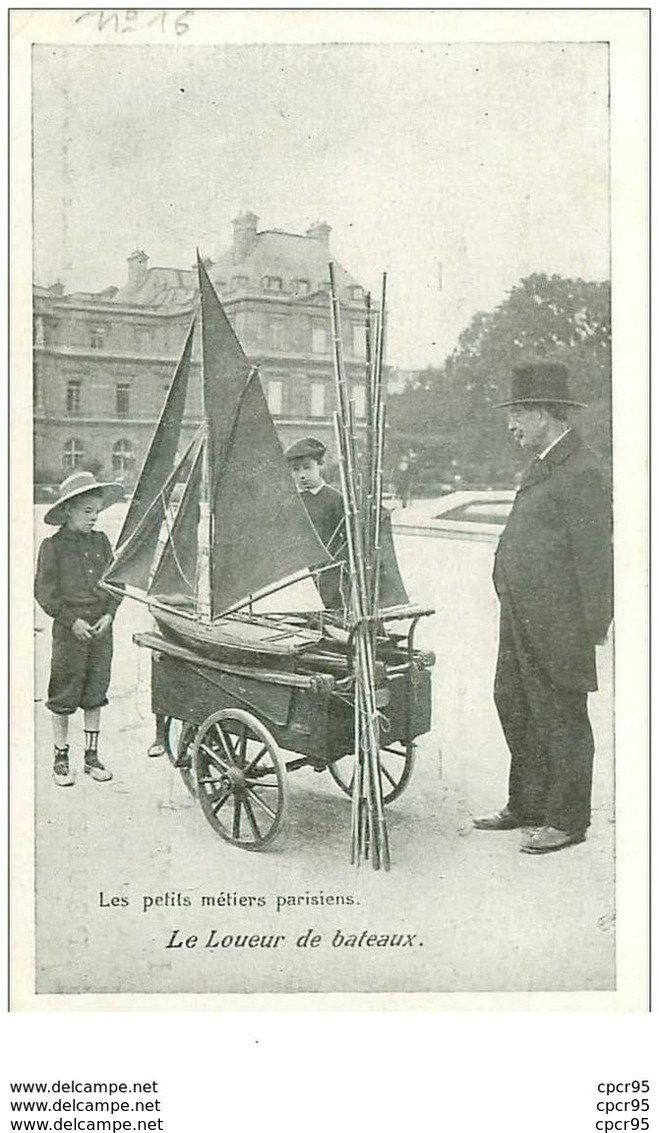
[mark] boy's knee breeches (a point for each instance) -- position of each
(79, 671)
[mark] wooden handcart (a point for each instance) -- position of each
(236, 728)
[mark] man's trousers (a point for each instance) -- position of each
(548, 734)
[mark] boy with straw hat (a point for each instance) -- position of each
(70, 565)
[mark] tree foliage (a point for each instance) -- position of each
(543, 317)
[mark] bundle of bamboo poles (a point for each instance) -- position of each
(361, 485)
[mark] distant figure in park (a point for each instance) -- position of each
(70, 566)
(403, 481)
(553, 576)
(325, 509)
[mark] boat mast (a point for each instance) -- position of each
(205, 530)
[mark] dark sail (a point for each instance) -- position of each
(225, 371)
(261, 531)
(176, 572)
(392, 588)
(134, 559)
(161, 455)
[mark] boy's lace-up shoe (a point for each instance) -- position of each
(95, 768)
(62, 773)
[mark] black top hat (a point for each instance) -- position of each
(540, 383)
(308, 446)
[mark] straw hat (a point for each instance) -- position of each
(78, 484)
(540, 383)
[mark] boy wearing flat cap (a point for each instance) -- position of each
(70, 565)
(325, 509)
(554, 579)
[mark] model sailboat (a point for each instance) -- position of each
(240, 530)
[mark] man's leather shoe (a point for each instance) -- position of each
(500, 820)
(548, 839)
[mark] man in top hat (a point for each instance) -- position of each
(325, 509)
(553, 577)
(70, 565)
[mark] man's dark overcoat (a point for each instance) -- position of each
(554, 562)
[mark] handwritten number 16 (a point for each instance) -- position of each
(129, 18)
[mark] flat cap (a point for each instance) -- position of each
(308, 446)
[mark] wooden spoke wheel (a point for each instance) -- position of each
(178, 741)
(396, 763)
(240, 777)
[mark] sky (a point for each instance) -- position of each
(457, 169)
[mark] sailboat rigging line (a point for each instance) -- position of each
(164, 441)
(333, 536)
(274, 589)
(163, 494)
(170, 533)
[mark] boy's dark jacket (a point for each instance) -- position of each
(554, 562)
(69, 568)
(325, 510)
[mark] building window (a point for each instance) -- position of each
(73, 397)
(275, 398)
(359, 398)
(317, 399)
(98, 337)
(319, 339)
(73, 453)
(301, 286)
(239, 283)
(273, 283)
(123, 399)
(359, 340)
(143, 339)
(356, 292)
(123, 458)
(240, 324)
(278, 334)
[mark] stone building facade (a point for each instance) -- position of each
(103, 362)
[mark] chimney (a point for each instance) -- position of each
(138, 265)
(320, 231)
(244, 235)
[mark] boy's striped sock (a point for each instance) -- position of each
(93, 765)
(91, 742)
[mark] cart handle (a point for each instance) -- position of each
(395, 614)
(317, 682)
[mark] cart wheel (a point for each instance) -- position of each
(396, 762)
(240, 777)
(178, 739)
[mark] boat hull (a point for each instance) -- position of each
(236, 638)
